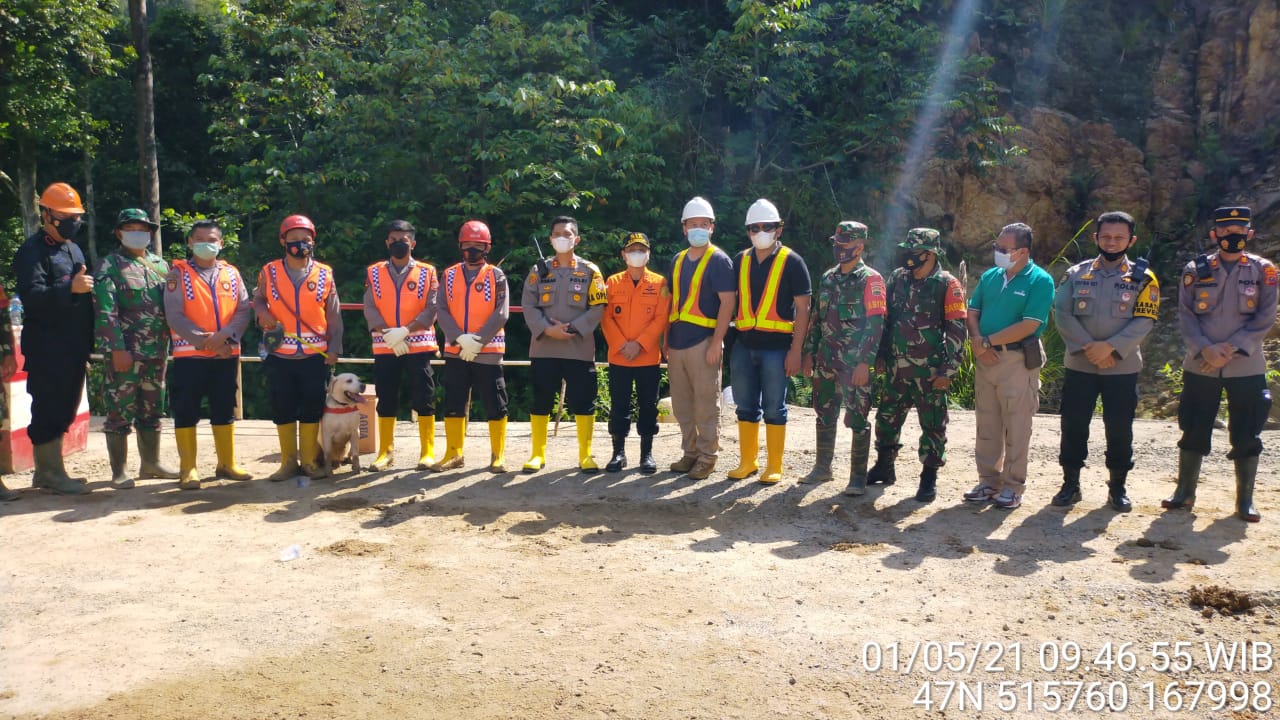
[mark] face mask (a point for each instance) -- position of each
(400, 249)
(637, 259)
(1111, 256)
(1004, 261)
(68, 227)
(762, 240)
(845, 254)
(206, 250)
(135, 239)
(474, 256)
(915, 260)
(562, 244)
(698, 237)
(300, 248)
(1233, 243)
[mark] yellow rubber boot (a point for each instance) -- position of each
(426, 441)
(288, 434)
(309, 449)
(188, 478)
(498, 446)
(586, 426)
(455, 437)
(386, 443)
(224, 442)
(748, 450)
(538, 441)
(775, 438)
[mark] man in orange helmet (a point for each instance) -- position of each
(57, 336)
(296, 302)
(472, 308)
(400, 308)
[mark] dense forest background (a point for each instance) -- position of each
(962, 115)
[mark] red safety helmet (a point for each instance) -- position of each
(297, 221)
(62, 198)
(474, 231)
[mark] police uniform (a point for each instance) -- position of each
(1116, 305)
(403, 296)
(199, 302)
(1234, 302)
(571, 293)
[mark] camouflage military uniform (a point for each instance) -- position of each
(925, 335)
(130, 316)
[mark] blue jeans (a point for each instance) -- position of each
(759, 378)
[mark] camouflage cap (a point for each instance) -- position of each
(922, 239)
(129, 215)
(849, 230)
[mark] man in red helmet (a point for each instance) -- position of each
(400, 308)
(57, 336)
(296, 302)
(472, 308)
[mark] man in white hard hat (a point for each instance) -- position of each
(772, 318)
(702, 293)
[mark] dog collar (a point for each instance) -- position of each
(341, 410)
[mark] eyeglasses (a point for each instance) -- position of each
(763, 227)
(1005, 251)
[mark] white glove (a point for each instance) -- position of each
(400, 349)
(470, 344)
(467, 355)
(395, 336)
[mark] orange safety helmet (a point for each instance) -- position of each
(474, 231)
(297, 221)
(62, 198)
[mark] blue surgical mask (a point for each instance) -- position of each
(698, 237)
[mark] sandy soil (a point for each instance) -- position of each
(467, 595)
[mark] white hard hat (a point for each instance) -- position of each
(762, 211)
(697, 208)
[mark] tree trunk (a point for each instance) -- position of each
(91, 217)
(27, 192)
(144, 98)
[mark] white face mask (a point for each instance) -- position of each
(762, 240)
(698, 237)
(1004, 261)
(562, 244)
(135, 239)
(637, 259)
(205, 250)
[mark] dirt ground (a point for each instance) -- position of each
(559, 595)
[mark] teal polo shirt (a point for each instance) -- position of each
(1028, 295)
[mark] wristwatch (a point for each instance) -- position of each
(986, 342)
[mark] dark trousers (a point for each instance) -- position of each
(297, 388)
(387, 371)
(55, 382)
(579, 377)
(1248, 404)
(645, 381)
(462, 379)
(192, 380)
(1080, 391)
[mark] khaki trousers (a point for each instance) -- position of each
(1006, 397)
(695, 399)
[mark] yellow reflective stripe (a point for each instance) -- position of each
(747, 320)
(686, 312)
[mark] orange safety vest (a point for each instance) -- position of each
(302, 311)
(635, 311)
(403, 306)
(210, 307)
(748, 317)
(690, 310)
(471, 305)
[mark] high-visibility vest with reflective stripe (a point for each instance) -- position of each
(748, 317)
(307, 299)
(210, 307)
(471, 304)
(689, 309)
(398, 309)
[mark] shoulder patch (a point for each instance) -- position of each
(1269, 274)
(1188, 278)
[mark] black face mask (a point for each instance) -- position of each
(915, 260)
(1111, 256)
(845, 254)
(68, 227)
(300, 248)
(474, 256)
(1233, 243)
(400, 249)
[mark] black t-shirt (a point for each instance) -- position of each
(794, 282)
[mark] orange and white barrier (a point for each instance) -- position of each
(15, 447)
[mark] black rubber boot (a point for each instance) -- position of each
(1184, 496)
(619, 460)
(826, 452)
(883, 473)
(1070, 493)
(118, 455)
(1246, 473)
(1116, 496)
(648, 465)
(860, 451)
(50, 474)
(928, 491)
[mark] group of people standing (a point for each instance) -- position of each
(852, 328)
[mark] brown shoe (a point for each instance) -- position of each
(701, 470)
(684, 464)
